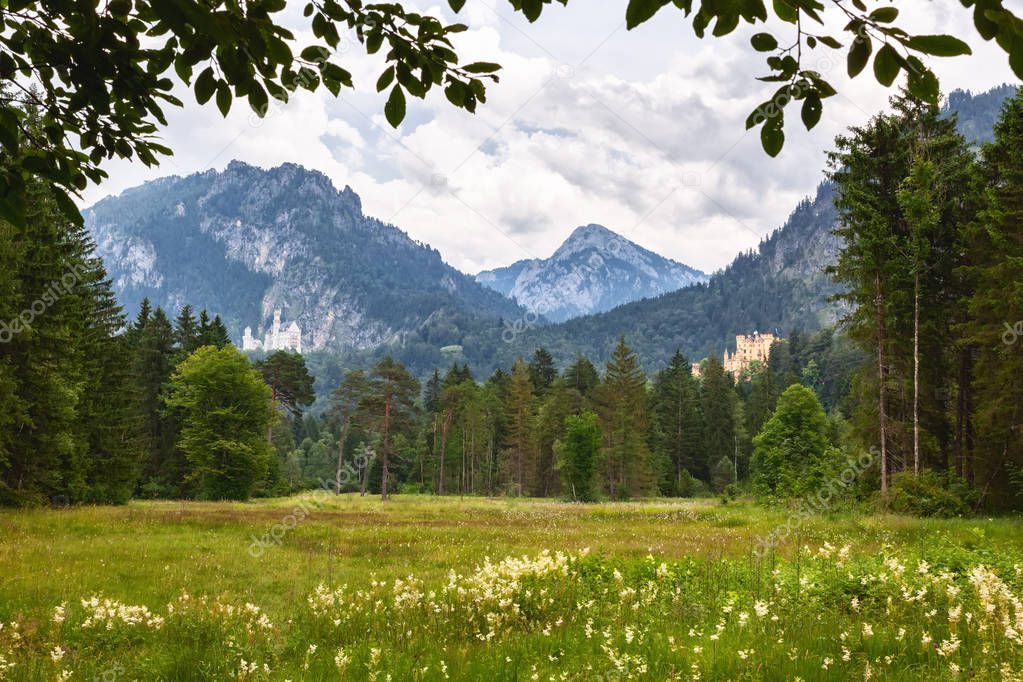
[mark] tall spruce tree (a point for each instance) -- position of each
(994, 455)
(520, 428)
(717, 402)
(622, 407)
(886, 263)
(676, 432)
(542, 371)
(391, 398)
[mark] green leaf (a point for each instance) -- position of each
(939, 45)
(532, 9)
(859, 55)
(386, 78)
(1016, 63)
(764, 42)
(886, 65)
(811, 110)
(205, 85)
(640, 11)
(885, 15)
(224, 98)
(772, 138)
(394, 110)
(482, 67)
(456, 5)
(785, 11)
(922, 83)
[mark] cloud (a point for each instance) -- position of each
(640, 131)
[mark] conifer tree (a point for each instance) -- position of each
(152, 366)
(676, 423)
(542, 371)
(391, 398)
(582, 376)
(995, 308)
(622, 407)
(716, 401)
(520, 428)
(186, 331)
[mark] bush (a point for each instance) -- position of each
(929, 494)
(689, 486)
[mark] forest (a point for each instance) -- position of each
(922, 375)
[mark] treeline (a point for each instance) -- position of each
(933, 267)
(582, 433)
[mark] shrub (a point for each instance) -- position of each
(929, 494)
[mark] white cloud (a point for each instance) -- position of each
(641, 131)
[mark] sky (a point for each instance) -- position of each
(641, 131)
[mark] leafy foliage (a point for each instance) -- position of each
(225, 414)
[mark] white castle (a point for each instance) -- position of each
(275, 338)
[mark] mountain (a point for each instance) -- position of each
(594, 270)
(780, 287)
(245, 241)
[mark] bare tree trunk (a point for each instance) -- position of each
(882, 406)
(341, 455)
(444, 447)
(916, 374)
(387, 447)
(273, 414)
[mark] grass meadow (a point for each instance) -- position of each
(315, 587)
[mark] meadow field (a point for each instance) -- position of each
(315, 587)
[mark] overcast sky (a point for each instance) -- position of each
(641, 131)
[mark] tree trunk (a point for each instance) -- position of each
(341, 455)
(273, 413)
(882, 407)
(916, 374)
(444, 447)
(387, 447)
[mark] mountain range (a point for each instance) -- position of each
(594, 270)
(245, 241)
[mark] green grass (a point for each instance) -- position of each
(645, 590)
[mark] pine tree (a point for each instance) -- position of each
(676, 424)
(886, 264)
(43, 359)
(391, 397)
(217, 334)
(542, 371)
(152, 366)
(582, 376)
(520, 431)
(622, 402)
(291, 385)
(995, 308)
(186, 331)
(716, 401)
(345, 402)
